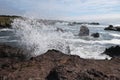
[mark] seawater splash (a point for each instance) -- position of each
(37, 37)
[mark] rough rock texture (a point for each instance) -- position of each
(84, 31)
(112, 28)
(95, 35)
(13, 53)
(113, 51)
(54, 65)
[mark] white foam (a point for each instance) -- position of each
(37, 37)
(112, 41)
(117, 25)
(6, 29)
(89, 51)
(115, 35)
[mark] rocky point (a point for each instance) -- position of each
(54, 65)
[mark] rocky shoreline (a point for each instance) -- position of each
(54, 65)
(18, 64)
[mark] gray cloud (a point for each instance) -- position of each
(63, 9)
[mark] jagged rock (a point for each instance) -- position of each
(60, 30)
(112, 28)
(54, 65)
(113, 51)
(95, 35)
(94, 23)
(12, 53)
(96, 73)
(84, 31)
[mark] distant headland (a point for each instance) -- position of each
(6, 20)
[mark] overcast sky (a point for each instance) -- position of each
(84, 10)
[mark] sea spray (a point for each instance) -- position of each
(37, 37)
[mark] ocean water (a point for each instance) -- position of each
(38, 38)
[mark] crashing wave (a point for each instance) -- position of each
(37, 37)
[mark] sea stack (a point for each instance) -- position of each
(84, 31)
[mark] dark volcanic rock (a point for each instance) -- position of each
(53, 75)
(113, 51)
(94, 23)
(60, 30)
(54, 65)
(84, 31)
(80, 23)
(13, 53)
(112, 28)
(95, 35)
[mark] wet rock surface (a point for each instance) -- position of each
(112, 28)
(60, 30)
(54, 65)
(113, 51)
(84, 31)
(13, 53)
(95, 35)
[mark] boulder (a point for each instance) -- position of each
(95, 35)
(113, 51)
(110, 26)
(84, 31)
(60, 30)
(13, 53)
